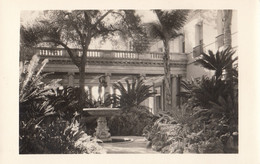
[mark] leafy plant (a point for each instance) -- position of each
(47, 121)
(132, 122)
(34, 107)
(218, 62)
(201, 92)
(134, 93)
(135, 117)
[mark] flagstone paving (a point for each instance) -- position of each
(136, 146)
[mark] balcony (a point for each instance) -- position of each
(219, 41)
(198, 50)
(61, 54)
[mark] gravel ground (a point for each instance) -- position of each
(136, 146)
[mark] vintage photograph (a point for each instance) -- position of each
(128, 81)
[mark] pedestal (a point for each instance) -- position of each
(102, 131)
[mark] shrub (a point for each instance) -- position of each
(134, 93)
(47, 121)
(135, 117)
(202, 91)
(131, 122)
(208, 122)
(202, 131)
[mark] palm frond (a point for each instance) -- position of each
(135, 94)
(155, 30)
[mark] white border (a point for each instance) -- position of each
(248, 23)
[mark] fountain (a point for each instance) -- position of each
(102, 130)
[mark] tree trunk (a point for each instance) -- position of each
(82, 84)
(227, 14)
(167, 75)
(83, 61)
(82, 77)
(227, 28)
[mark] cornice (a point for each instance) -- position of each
(122, 62)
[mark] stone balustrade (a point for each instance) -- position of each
(108, 54)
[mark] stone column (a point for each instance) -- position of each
(107, 89)
(175, 83)
(71, 79)
(181, 39)
(114, 98)
(90, 92)
(154, 100)
(142, 77)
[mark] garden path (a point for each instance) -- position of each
(137, 146)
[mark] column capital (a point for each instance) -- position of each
(71, 73)
(176, 75)
(108, 74)
(142, 74)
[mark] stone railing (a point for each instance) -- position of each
(197, 50)
(108, 54)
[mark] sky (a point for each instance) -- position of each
(28, 18)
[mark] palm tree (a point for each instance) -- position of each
(218, 62)
(227, 18)
(134, 93)
(166, 29)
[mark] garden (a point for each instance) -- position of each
(50, 116)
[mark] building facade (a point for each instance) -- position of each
(203, 31)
